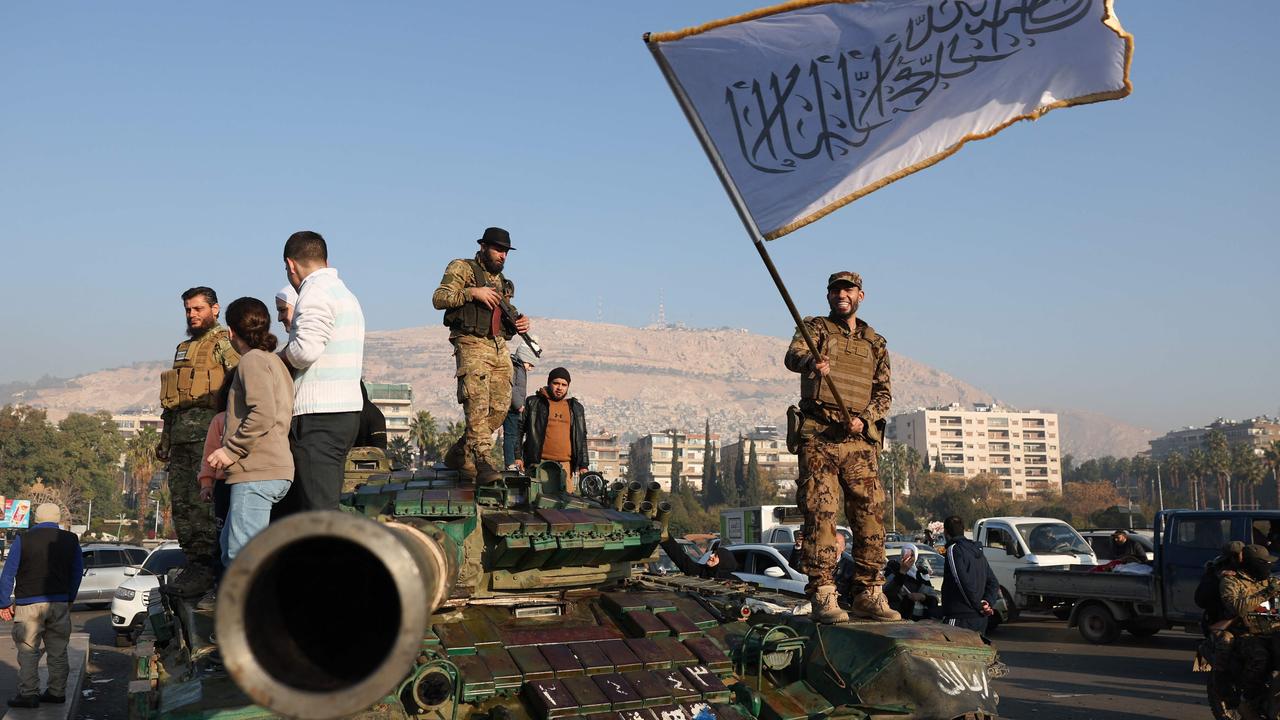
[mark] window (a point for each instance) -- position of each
(1203, 532)
(103, 558)
(135, 556)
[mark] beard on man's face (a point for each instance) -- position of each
(199, 327)
(494, 264)
(836, 311)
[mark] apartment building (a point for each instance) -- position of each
(131, 424)
(772, 456)
(395, 400)
(1259, 432)
(1023, 449)
(651, 455)
(607, 457)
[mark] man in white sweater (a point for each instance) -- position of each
(325, 352)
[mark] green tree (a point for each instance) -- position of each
(91, 446)
(1197, 468)
(29, 449)
(1175, 468)
(1271, 455)
(676, 465)
(1218, 458)
(755, 493)
(1249, 471)
(400, 452)
(424, 434)
(739, 473)
(729, 488)
(712, 494)
(140, 465)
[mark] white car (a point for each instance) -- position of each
(134, 595)
(766, 566)
(106, 565)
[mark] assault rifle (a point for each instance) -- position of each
(509, 322)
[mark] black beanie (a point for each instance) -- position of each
(558, 373)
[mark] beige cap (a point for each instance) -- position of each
(48, 512)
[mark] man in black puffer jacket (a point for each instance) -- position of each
(969, 588)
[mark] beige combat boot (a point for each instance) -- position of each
(873, 605)
(824, 607)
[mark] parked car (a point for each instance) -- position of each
(105, 566)
(1100, 541)
(134, 595)
(767, 566)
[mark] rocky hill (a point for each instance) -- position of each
(631, 380)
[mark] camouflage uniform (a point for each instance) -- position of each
(837, 468)
(483, 362)
(1249, 656)
(185, 426)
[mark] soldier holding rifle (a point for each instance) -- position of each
(475, 298)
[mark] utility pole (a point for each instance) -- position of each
(156, 531)
(89, 523)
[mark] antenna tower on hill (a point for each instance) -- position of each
(662, 310)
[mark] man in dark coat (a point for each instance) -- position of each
(553, 427)
(521, 363)
(43, 571)
(969, 588)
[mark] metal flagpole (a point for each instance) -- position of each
(704, 139)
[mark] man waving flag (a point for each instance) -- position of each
(807, 106)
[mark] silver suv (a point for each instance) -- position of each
(104, 570)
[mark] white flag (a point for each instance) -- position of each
(811, 105)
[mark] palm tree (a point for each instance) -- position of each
(400, 452)
(1197, 464)
(140, 462)
(1218, 460)
(1271, 455)
(1247, 468)
(423, 433)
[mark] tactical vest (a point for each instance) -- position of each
(853, 364)
(474, 317)
(196, 376)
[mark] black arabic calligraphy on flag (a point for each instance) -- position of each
(812, 105)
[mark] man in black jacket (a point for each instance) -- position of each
(553, 426)
(969, 588)
(43, 572)
(521, 363)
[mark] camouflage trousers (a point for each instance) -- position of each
(484, 389)
(833, 474)
(192, 517)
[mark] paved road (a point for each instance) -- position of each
(1055, 675)
(109, 665)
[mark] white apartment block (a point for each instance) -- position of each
(649, 457)
(395, 400)
(131, 424)
(1023, 449)
(772, 456)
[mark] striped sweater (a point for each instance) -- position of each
(326, 346)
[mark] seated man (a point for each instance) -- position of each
(1126, 550)
(553, 426)
(907, 583)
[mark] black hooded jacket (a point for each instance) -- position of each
(967, 580)
(722, 571)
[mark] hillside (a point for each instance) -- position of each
(631, 380)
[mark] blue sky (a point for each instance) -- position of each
(1118, 257)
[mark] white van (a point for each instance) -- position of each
(1013, 542)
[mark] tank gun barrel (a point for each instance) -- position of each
(323, 613)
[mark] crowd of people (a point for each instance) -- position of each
(257, 427)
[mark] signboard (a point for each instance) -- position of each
(17, 513)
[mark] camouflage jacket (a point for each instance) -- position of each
(189, 425)
(797, 360)
(1241, 596)
(459, 276)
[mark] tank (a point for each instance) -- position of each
(427, 597)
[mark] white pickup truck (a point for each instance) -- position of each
(1010, 543)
